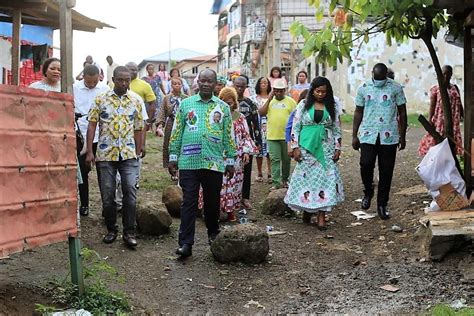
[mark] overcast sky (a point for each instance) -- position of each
(143, 28)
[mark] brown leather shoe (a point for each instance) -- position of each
(110, 237)
(130, 240)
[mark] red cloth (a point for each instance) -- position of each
(438, 120)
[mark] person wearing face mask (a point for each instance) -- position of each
(85, 93)
(377, 133)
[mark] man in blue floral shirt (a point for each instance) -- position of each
(379, 128)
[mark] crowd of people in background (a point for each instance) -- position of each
(212, 130)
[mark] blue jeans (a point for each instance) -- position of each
(128, 170)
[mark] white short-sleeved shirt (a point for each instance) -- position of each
(84, 99)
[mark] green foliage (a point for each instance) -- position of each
(445, 310)
(98, 298)
(45, 309)
(357, 20)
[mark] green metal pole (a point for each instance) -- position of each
(77, 275)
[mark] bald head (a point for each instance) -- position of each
(133, 68)
(207, 82)
(240, 84)
(379, 72)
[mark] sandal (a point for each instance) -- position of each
(174, 178)
(269, 180)
(259, 179)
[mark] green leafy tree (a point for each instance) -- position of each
(356, 20)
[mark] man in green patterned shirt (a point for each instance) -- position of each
(118, 113)
(202, 148)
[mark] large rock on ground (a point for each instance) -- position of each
(153, 219)
(172, 198)
(246, 243)
(274, 204)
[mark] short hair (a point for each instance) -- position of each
(257, 86)
(449, 68)
(279, 71)
(209, 70)
(120, 69)
(175, 69)
(242, 77)
(380, 67)
(229, 92)
(301, 72)
(47, 63)
(90, 70)
(246, 78)
(148, 65)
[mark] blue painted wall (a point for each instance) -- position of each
(32, 33)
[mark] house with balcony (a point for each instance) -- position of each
(241, 28)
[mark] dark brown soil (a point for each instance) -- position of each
(308, 271)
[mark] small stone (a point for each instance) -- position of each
(172, 199)
(397, 229)
(382, 238)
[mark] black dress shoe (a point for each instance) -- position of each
(211, 238)
(110, 237)
(130, 240)
(185, 251)
(383, 212)
(84, 210)
(366, 202)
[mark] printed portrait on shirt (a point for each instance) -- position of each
(216, 116)
(192, 121)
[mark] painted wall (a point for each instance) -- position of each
(410, 61)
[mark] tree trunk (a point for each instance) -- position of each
(443, 90)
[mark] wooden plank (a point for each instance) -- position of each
(456, 214)
(65, 23)
(16, 35)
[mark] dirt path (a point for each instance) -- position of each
(337, 271)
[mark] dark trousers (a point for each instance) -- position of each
(386, 155)
(84, 187)
(211, 182)
(128, 170)
(247, 179)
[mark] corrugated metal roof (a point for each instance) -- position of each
(46, 13)
(38, 200)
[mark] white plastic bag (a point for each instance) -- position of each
(438, 168)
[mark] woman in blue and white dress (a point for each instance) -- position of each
(316, 185)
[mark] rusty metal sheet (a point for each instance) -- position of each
(38, 199)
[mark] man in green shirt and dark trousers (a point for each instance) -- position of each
(202, 148)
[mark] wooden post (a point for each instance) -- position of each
(16, 47)
(77, 275)
(468, 104)
(65, 27)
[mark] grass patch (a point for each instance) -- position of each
(412, 119)
(446, 310)
(98, 298)
(346, 118)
